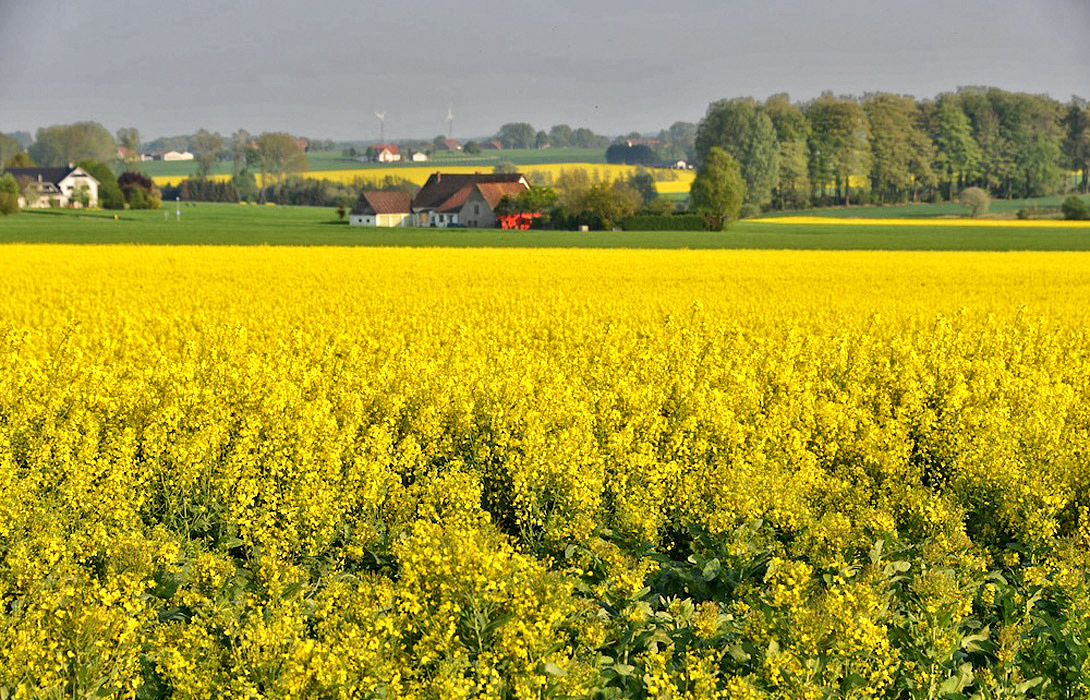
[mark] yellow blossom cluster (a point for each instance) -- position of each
(352, 473)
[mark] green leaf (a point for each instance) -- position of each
(624, 669)
(876, 551)
(711, 570)
(897, 567)
(554, 670)
(1021, 688)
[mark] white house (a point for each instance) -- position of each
(175, 155)
(382, 153)
(419, 157)
(382, 209)
(60, 187)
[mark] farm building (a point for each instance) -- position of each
(449, 145)
(61, 187)
(464, 200)
(383, 153)
(382, 209)
(176, 155)
(418, 157)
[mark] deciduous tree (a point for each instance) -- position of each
(206, 151)
(68, 143)
(9, 195)
(901, 151)
(839, 143)
(516, 135)
(279, 155)
(1077, 141)
(718, 190)
(792, 132)
(9, 147)
(129, 138)
(957, 155)
(747, 134)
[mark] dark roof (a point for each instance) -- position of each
(54, 175)
(442, 187)
(383, 203)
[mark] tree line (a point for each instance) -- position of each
(885, 148)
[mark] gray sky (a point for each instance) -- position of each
(321, 69)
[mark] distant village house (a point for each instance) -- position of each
(70, 186)
(382, 153)
(177, 155)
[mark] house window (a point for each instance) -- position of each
(476, 208)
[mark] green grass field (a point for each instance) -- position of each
(232, 224)
(333, 160)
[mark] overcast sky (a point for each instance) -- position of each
(321, 69)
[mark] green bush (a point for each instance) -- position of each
(9, 195)
(664, 222)
(1075, 209)
(976, 200)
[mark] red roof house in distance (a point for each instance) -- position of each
(383, 153)
(382, 209)
(465, 200)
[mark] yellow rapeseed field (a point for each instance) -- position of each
(667, 181)
(355, 473)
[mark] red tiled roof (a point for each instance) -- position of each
(441, 187)
(386, 147)
(383, 203)
(454, 204)
(493, 192)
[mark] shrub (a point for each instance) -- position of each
(1075, 209)
(664, 222)
(139, 190)
(9, 195)
(975, 199)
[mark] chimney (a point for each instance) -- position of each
(39, 177)
(438, 176)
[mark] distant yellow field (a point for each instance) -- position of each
(667, 181)
(834, 221)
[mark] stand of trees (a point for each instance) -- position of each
(885, 148)
(523, 135)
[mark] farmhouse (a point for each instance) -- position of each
(383, 153)
(464, 200)
(449, 145)
(382, 209)
(70, 186)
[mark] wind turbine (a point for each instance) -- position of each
(381, 125)
(450, 122)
